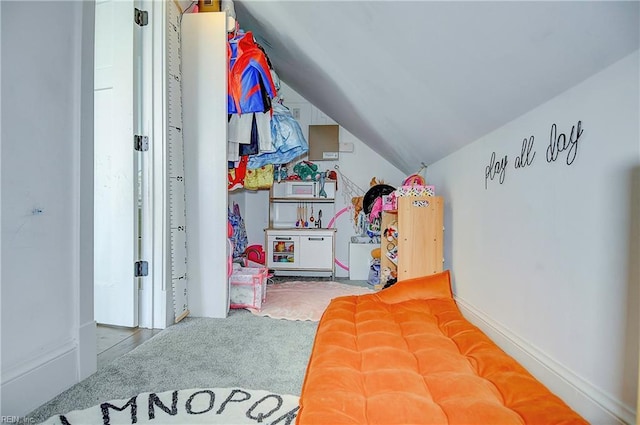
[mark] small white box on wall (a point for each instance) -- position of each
(324, 142)
(346, 147)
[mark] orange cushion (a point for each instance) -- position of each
(419, 288)
(406, 355)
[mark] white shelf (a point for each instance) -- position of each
(285, 204)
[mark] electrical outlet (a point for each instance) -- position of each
(296, 113)
(346, 147)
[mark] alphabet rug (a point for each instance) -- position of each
(228, 406)
(304, 300)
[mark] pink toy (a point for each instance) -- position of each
(376, 209)
(414, 180)
(229, 258)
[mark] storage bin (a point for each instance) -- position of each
(416, 191)
(248, 287)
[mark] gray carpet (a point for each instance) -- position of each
(242, 350)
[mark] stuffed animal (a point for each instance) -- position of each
(414, 180)
(357, 207)
(389, 277)
(306, 170)
(376, 209)
(321, 179)
(332, 175)
(391, 232)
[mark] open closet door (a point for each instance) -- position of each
(115, 287)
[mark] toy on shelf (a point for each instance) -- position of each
(391, 232)
(372, 200)
(254, 253)
(415, 185)
(306, 170)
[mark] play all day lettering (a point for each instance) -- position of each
(562, 145)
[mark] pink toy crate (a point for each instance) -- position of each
(248, 287)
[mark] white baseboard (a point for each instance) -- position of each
(87, 350)
(596, 406)
(28, 385)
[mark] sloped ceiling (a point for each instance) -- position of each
(418, 80)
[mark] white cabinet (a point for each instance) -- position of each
(316, 250)
(301, 252)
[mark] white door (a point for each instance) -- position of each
(115, 200)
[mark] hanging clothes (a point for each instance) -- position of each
(263, 127)
(233, 151)
(239, 237)
(259, 178)
(252, 131)
(239, 128)
(251, 148)
(250, 84)
(288, 140)
(236, 174)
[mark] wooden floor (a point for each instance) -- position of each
(114, 341)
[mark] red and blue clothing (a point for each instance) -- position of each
(250, 85)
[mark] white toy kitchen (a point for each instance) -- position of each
(298, 241)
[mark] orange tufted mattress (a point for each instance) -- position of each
(406, 355)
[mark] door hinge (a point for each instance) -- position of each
(141, 17)
(141, 268)
(141, 143)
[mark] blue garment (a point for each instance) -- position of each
(239, 237)
(287, 137)
(251, 148)
(250, 86)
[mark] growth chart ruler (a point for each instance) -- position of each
(175, 155)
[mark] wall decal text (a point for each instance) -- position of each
(560, 145)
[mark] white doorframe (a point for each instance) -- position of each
(147, 287)
(155, 296)
(161, 297)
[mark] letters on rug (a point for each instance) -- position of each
(304, 300)
(193, 406)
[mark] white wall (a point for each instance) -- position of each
(48, 333)
(546, 260)
(204, 45)
(359, 166)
